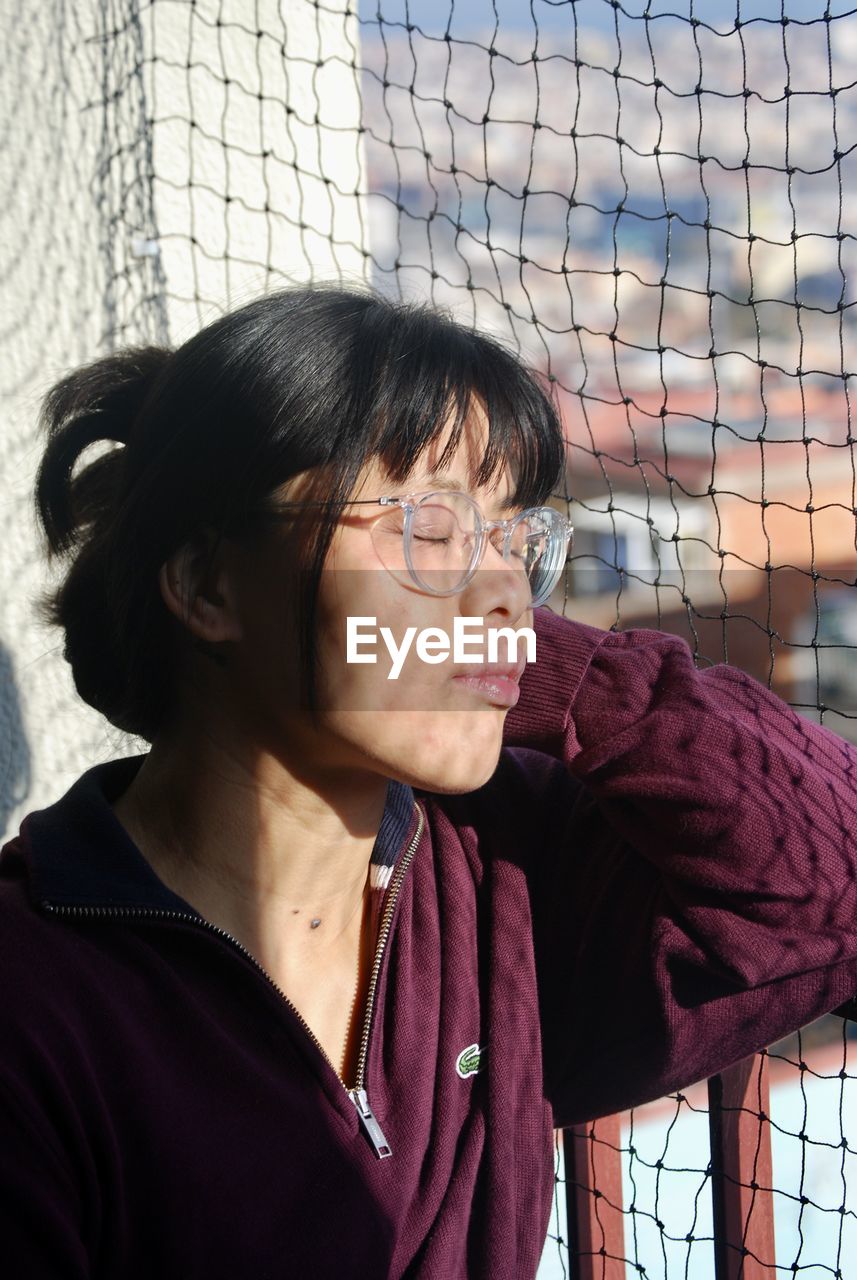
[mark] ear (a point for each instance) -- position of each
(197, 588)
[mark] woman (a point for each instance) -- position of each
(302, 990)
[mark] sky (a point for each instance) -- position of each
(464, 17)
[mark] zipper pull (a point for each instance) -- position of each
(370, 1123)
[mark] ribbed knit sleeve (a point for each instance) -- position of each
(697, 895)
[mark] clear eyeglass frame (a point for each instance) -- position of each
(558, 532)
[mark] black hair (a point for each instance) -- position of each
(311, 378)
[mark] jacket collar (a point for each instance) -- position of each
(78, 852)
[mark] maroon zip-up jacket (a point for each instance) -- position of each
(660, 878)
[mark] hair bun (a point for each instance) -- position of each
(100, 401)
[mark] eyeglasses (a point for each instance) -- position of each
(437, 540)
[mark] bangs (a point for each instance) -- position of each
(433, 379)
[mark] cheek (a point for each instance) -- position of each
(265, 668)
(419, 727)
(381, 668)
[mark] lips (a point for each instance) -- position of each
(492, 682)
(488, 670)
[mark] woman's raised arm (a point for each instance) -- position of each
(696, 895)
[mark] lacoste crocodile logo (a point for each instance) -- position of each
(470, 1061)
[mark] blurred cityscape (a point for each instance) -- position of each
(576, 195)
(661, 217)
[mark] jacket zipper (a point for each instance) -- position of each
(358, 1093)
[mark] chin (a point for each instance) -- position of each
(452, 776)
(447, 753)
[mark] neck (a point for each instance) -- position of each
(259, 847)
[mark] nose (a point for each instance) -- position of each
(498, 587)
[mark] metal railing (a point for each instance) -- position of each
(742, 1179)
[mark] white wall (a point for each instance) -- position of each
(123, 223)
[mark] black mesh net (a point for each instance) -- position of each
(654, 204)
(666, 1173)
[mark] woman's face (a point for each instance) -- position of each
(432, 726)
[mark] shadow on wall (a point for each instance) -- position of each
(14, 749)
